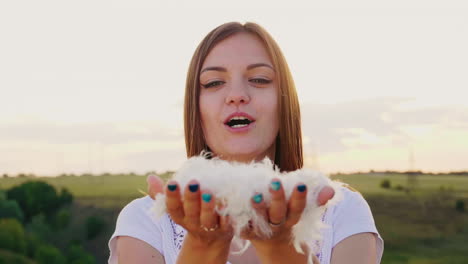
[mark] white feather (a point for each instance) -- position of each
(235, 183)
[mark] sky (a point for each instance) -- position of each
(97, 86)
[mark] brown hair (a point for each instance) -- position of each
(288, 156)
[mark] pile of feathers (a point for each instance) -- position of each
(234, 184)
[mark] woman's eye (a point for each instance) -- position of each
(213, 84)
(260, 81)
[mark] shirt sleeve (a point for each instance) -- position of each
(352, 216)
(135, 220)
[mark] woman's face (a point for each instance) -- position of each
(238, 99)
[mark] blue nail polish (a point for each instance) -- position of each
(276, 185)
(193, 187)
(172, 187)
(258, 198)
(301, 188)
(206, 197)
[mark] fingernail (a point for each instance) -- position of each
(276, 185)
(206, 197)
(258, 198)
(301, 188)
(172, 187)
(193, 187)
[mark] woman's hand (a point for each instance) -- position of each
(209, 235)
(194, 209)
(282, 216)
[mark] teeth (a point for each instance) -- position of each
(239, 125)
(239, 118)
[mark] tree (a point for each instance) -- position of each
(40, 227)
(8, 257)
(61, 219)
(460, 205)
(36, 197)
(65, 197)
(12, 235)
(94, 226)
(47, 254)
(385, 184)
(11, 209)
(33, 242)
(77, 255)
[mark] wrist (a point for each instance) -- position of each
(280, 252)
(199, 250)
(202, 243)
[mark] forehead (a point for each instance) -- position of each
(240, 48)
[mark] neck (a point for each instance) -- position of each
(248, 158)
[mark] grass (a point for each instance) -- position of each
(425, 184)
(112, 191)
(420, 229)
(420, 226)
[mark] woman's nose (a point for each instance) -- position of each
(238, 94)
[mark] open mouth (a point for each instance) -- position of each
(238, 122)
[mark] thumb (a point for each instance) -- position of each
(155, 185)
(324, 195)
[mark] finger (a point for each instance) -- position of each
(315, 260)
(174, 203)
(224, 219)
(225, 225)
(192, 204)
(155, 185)
(296, 204)
(261, 209)
(208, 216)
(248, 232)
(325, 195)
(278, 207)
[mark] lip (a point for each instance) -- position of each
(240, 129)
(239, 114)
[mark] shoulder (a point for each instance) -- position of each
(138, 207)
(136, 220)
(351, 216)
(138, 216)
(352, 200)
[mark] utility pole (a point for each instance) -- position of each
(412, 174)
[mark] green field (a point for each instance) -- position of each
(418, 226)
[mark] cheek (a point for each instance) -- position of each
(207, 111)
(270, 108)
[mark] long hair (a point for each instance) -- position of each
(288, 156)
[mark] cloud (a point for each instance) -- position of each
(364, 123)
(105, 133)
(350, 134)
(159, 161)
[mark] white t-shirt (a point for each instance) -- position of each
(350, 216)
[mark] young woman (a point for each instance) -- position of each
(241, 104)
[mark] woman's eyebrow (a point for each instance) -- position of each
(215, 68)
(255, 65)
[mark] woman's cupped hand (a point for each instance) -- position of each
(194, 209)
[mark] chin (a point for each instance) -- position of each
(242, 151)
(243, 155)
